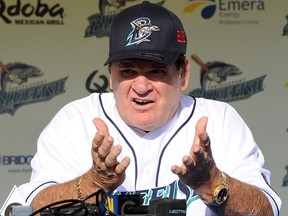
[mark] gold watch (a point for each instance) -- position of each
(220, 193)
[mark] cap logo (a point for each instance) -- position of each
(141, 30)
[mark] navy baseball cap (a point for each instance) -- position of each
(146, 31)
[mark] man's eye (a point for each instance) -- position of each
(127, 73)
(158, 73)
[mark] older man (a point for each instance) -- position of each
(150, 138)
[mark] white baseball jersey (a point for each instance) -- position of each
(64, 149)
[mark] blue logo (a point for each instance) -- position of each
(141, 30)
(16, 159)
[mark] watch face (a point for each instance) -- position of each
(222, 195)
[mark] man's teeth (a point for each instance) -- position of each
(142, 101)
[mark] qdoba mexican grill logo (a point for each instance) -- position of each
(38, 12)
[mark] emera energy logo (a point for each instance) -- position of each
(226, 8)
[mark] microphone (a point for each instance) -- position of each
(13, 200)
(122, 204)
(130, 205)
(19, 210)
(167, 207)
(8, 209)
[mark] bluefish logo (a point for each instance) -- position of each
(217, 82)
(141, 30)
(16, 89)
(209, 7)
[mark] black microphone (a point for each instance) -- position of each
(130, 207)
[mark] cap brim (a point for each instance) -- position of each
(160, 57)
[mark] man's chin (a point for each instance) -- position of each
(145, 125)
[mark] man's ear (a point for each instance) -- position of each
(185, 73)
(110, 79)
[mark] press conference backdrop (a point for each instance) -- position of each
(52, 52)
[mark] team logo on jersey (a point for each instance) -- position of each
(175, 190)
(141, 30)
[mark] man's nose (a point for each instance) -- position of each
(141, 84)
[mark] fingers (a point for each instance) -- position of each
(102, 132)
(111, 158)
(107, 162)
(101, 126)
(111, 162)
(201, 139)
(201, 148)
(177, 170)
(201, 124)
(121, 167)
(196, 167)
(108, 172)
(104, 150)
(201, 135)
(188, 163)
(102, 142)
(200, 153)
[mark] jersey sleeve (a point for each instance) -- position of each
(239, 155)
(63, 148)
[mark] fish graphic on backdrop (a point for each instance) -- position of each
(17, 73)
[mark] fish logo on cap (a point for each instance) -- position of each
(141, 30)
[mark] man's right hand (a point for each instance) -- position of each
(106, 173)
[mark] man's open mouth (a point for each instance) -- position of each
(142, 102)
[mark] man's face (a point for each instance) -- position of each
(147, 93)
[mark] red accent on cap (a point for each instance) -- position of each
(181, 36)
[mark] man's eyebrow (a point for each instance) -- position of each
(125, 64)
